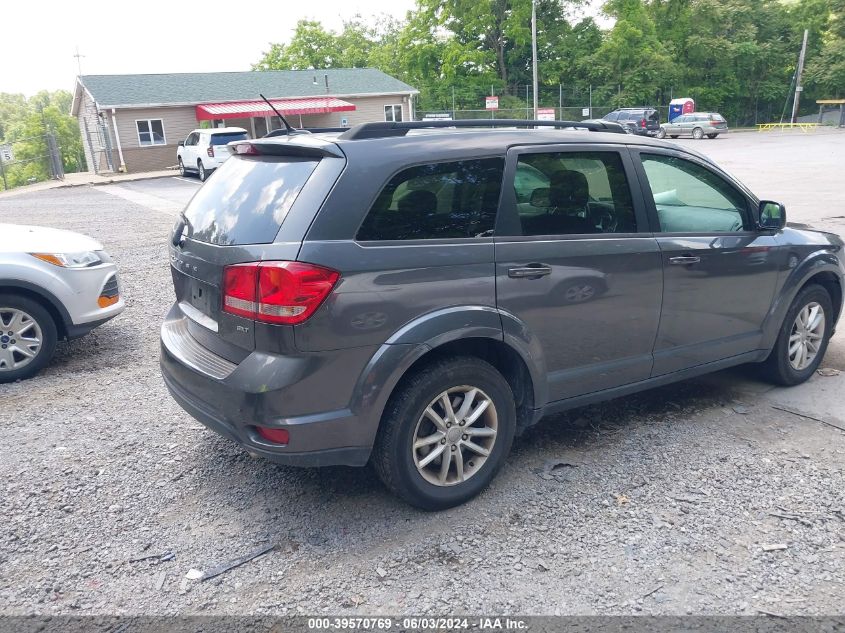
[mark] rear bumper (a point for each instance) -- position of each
(252, 394)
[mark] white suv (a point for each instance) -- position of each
(53, 285)
(203, 151)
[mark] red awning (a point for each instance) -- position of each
(240, 109)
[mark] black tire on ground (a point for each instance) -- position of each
(393, 453)
(698, 133)
(777, 368)
(48, 335)
(712, 135)
(201, 172)
(181, 167)
(673, 136)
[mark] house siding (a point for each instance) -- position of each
(96, 136)
(177, 124)
(367, 110)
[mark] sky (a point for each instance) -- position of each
(153, 36)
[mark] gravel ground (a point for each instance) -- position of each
(695, 498)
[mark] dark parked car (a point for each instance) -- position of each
(640, 121)
(414, 298)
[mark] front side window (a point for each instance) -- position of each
(150, 132)
(436, 201)
(692, 199)
(569, 193)
(393, 113)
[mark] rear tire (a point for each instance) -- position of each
(783, 366)
(403, 459)
(698, 133)
(673, 136)
(712, 135)
(24, 321)
(203, 175)
(661, 133)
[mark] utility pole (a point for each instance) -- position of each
(534, 51)
(798, 86)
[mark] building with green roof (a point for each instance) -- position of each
(135, 122)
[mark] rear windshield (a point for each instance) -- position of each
(228, 137)
(246, 200)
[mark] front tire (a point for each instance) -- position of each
(181, 167)
(27, 337)
(803, 338)
(201, 172)
(698, 133)
(661, 133)
(445, 433)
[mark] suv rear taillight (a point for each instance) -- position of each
(642, 124)
(210, 151)
(276, 292)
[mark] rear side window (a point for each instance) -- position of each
(573, 193)
(247, 199)
(222, 139)
(435, 201)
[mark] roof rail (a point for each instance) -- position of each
(384, 129)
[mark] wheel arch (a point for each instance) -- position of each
(44, 298)
(480, 331)
(822, 268)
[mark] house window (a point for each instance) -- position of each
(150, 132)
(393, 112)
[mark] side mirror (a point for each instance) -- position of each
(771, 215)
(181, 143)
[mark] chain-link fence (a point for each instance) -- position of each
(577, 102)
(30, 159)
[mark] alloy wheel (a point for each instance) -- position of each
(20, 339)
(806, 336)
(455, 435)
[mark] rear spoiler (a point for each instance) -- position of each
(300, 146)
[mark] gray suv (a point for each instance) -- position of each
(415, 297)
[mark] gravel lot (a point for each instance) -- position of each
(695, 498)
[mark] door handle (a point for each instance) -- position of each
(531, 271)
(684, 260)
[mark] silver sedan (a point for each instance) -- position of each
(698, 125)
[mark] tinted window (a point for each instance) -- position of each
(612, 116)
(691, 199)
(222, 139)
(573, 193)
(441, 200)
(247, 199)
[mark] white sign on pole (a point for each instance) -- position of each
(545, 114)
(585, 111)
(491, 103)
(6, 153)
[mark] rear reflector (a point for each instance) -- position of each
(277, 436)
(287, 293)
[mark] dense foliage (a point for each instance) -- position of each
(735, 56)
(23, 124)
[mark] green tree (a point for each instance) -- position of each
(24, 123)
